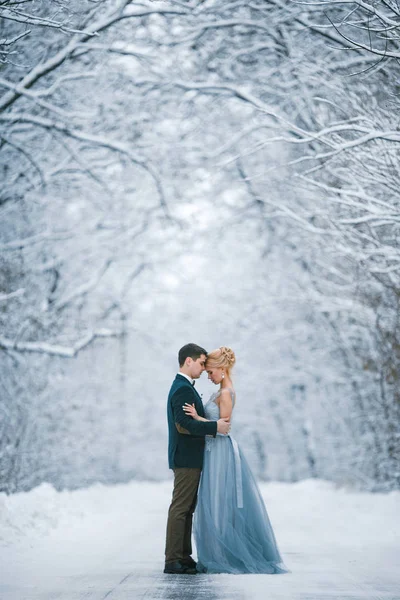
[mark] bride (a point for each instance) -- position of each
(232, 530)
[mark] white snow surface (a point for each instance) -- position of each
(108, 541)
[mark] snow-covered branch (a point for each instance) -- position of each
(81, 290)
(57, 349)
(13, 117)
(15, 294)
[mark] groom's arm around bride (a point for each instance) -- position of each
(187, 450)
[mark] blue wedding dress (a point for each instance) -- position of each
(231, 527)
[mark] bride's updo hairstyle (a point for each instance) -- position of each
(221, 358)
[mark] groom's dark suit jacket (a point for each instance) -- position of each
(186, 435)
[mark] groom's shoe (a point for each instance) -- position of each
(189, 562)
(178, 568)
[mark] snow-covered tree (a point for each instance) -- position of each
(216, 169)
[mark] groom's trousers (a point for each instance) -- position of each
(180, 515)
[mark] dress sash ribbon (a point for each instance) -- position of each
(238, 470)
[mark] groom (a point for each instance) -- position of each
(185, 457)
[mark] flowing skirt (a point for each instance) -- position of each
(232, 530)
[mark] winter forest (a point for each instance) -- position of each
(208, 171)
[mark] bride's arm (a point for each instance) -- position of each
(192, 412)
(225, 404)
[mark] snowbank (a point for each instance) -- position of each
(320, 504)
(71, 533)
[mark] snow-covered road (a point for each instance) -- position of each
(107, 543)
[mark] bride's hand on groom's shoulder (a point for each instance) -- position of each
(190, 410)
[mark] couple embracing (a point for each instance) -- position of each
(231, 527)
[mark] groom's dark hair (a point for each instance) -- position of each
(192, 350)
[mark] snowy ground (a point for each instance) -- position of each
(107, 543)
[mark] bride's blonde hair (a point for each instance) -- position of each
(221, 358)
